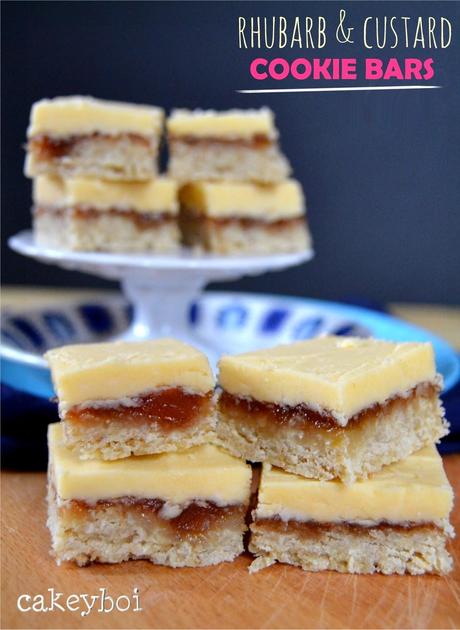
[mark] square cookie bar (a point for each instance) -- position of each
(397, 521)
(244, 218)
(84, 214)
(79, 136)
(178, 509)
(330, 407)
(133, 398)
(237, 145)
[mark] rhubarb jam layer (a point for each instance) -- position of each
(49, 148)
(311, 529)
(169, 409)
(142, 220)
(242, 222)
(192, 519)
(258, 141)
(303, 417)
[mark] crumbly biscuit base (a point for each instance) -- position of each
(232, 238)
(350, 453)
(217, 161)
(103, 157)
(118, 440)
(105, 233)
(117, 534)
(339, 548)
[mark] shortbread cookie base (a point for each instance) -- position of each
(350, 453)
(222, 161)
(119, 440)
(114, 533)
(234, 237)
(352, 549)
(104, 157)
(104, 232)
(163, 420)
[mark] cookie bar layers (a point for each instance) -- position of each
(395, 522)
(244, 218)
(330, 407)
(177, 509)
(233, 145)
(84, 214)
(84, 137)
(133, 398)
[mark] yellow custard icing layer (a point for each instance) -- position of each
(222, 199)
(415, 489)
(203, 473)
(158, 195)
(339, 375)
(112, 371)
(78, 115)
(231, 124)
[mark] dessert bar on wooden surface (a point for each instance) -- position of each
(397, 521)
(178, 509)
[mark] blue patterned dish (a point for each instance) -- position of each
(230, 322)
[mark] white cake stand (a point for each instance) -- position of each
(160, 288)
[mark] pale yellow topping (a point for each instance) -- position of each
(226, 199)
(415, 489)
(158, 195)
(231, 124)
(78, 115)
(203, 473)
(339, 375)
(112, 371)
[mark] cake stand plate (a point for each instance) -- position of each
(160, 288)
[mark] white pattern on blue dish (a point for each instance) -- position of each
(230, 322)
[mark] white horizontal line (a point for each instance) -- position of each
(361, 88)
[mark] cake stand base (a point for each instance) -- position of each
(161, 288)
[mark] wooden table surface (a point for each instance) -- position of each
(225, 596)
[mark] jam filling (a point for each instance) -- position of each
(196, 518)
(52, 148)
(142, 220)
(301, 416)
(170, 409)
(196, 216)
(257, 141)
(247, 223)
(312, 528)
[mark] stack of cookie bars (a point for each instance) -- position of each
(150, 459)
(97, 185)
(132, 473)
(235, 194)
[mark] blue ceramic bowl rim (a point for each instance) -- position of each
(374, 320)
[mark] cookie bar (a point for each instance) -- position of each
(85, 214)
(133, 398)
(397, 521)
(178, 509)
(332, 406)
(77, 136)
(230, 145)
(244, 218)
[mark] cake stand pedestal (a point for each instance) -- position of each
(161, 288)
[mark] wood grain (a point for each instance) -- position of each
(225, 596)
